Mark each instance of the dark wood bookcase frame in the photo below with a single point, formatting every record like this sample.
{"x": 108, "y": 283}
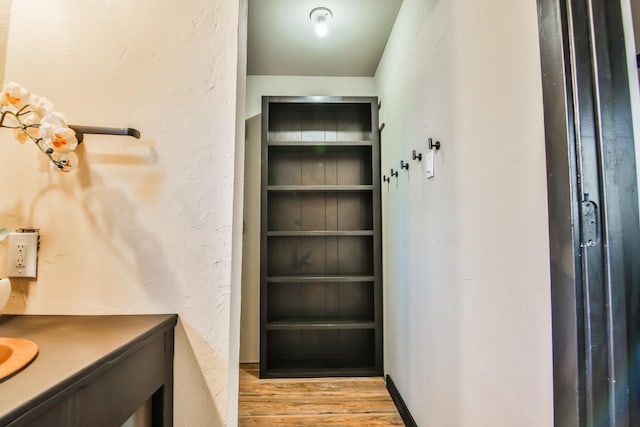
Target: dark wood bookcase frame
{"x": 321, "y": 249}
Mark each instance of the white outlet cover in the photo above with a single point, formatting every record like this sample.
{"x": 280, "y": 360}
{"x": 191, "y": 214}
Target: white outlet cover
{"x": 23, "y": 265}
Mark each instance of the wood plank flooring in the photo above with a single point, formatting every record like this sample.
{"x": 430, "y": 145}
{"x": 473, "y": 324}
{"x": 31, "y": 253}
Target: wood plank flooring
{"x": 314, "y": 401}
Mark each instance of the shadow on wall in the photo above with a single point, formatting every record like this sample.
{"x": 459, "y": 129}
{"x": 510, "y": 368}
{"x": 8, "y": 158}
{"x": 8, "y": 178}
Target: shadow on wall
{"x": 112, "y": 216}
{"x": 190, "y": 378}
{"x": 109, "y": 211}
{"x": 250, "y": 310}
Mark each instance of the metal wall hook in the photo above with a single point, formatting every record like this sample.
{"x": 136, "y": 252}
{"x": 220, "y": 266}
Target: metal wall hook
{"x": 433, "y": 145}
{"x": 417, "y": 156}
{"x": 404, "y": 165}
{"x": 385, "y": 178}
{"x": 394, "y": 173}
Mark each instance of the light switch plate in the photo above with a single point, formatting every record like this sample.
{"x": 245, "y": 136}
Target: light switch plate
{"x": 23, "y": 255}
{"x": 429, "y": 163}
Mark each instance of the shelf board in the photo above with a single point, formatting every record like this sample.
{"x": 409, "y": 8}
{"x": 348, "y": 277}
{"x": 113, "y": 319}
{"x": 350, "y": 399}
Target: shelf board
{"x": 320, "y": 187}
{"x": 333, "y": 324}
{"x": 301, "y": 372}
{"x": 338, "y": 233}
{"x": 298, "y": 143}
{"x": 319, "y": 279}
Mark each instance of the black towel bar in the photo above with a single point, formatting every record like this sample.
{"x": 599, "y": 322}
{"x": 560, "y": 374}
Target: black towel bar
{"x": 99, "y": 130}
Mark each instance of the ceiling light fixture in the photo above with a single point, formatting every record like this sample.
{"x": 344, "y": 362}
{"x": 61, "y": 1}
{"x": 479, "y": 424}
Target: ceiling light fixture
{"x": 321, "y": 16}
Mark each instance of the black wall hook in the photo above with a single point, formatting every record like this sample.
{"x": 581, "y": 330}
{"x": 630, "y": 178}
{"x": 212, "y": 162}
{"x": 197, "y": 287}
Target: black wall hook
{"x": 394, "y": 173}
{"x": 385, "y": 178}
{"x": 433, "y": 145}
{"x": 404, "y": 165}
{"x": 417, "y": 156}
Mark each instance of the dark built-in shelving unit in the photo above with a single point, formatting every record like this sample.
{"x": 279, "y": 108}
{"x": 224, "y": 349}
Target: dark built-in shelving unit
{"x": 321, "y": 289}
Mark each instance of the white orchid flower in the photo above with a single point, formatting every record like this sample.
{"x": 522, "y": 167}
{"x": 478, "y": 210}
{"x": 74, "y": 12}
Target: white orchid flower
{"x": 31, "y": 118}
{"x": 41, "y": 106}
{"x": 56, "y": 134}
{"x": 15, "y": 95}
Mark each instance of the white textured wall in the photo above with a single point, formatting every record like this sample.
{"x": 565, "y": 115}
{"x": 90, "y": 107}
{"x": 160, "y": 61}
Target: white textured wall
{"x": 631, "y": 10}
{"x": 238, "y": 221}
{"x": 258, "y": 86}
{"x": 466, "y": 262}
{"x": 5, "y": 13}
{"x": 144, "y": 226}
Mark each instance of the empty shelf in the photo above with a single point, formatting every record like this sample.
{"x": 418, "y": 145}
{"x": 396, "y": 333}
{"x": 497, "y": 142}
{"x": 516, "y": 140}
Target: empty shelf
{"x": 319, "y": 233}
{"x": 318, "y": 278}
{"x": 320, "y": 187}
{"x": 283, "y": 143}
{"x": 320, "y": 324}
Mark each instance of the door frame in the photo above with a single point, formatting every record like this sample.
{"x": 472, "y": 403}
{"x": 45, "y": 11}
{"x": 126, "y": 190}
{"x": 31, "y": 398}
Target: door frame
{"x": 593, "y": 213}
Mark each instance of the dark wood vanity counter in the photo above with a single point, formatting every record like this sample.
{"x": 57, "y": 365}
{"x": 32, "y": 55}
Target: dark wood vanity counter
{"x": 90, "y": 370}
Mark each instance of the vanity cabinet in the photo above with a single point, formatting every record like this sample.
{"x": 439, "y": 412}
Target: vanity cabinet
{"x": 321, "y": 291}
{"x": 90, "y": 370}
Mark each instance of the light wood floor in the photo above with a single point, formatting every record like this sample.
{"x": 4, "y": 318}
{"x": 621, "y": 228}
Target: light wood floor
{"x": 314, "y": 401}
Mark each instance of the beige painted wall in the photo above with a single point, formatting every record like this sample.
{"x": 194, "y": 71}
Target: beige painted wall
{"x": 258, "y": 86}
{"x": 466, "y": 259}
{"x": 144, "y": 226}
{"x": 5, "y": 13}
{"x": 238, "y": 222}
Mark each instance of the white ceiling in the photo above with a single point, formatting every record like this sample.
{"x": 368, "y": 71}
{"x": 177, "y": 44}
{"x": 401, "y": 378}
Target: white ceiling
{"x": 282, "y": 39}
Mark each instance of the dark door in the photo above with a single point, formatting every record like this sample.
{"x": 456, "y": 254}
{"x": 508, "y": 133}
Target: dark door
{"x": 593, "y": 213}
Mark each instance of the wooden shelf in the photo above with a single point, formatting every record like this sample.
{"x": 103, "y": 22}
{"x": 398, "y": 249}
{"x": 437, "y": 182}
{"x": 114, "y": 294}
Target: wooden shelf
{"x": 277, "y": 143}
{"x": 320, "y": 209}
{"x": 319, "y": 279}
{"x": 320, "y": 187}
{"x": 329, "y": 371}
{"x": 282, "y": 325}
{"x": 338, "y": 233}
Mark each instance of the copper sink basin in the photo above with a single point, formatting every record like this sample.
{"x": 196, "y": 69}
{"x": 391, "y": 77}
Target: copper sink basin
{"x": 15, "y": 355}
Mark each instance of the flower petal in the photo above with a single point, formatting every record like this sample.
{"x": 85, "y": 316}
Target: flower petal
{"x": 41, "y": 106}
{"x": 64, "y": 140}
{"x": 15, "y": 95}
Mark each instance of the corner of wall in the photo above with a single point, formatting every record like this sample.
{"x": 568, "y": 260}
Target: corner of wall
{"x": 238, "y": 217}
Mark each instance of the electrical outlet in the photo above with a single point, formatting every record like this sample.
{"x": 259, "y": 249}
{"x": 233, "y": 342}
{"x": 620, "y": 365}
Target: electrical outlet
{"x": 20, "y": 254}
{"x": 23, "y": 255}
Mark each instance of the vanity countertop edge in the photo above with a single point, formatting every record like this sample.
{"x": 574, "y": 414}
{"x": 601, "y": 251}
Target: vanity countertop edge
{"x": 72, "y": 350}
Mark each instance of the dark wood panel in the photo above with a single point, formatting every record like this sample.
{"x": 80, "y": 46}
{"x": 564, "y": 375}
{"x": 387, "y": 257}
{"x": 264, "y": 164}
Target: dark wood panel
{"x": 319, "y": 255}
{"x": 319, "y": 145}
{"x": 319, "y": 165}
{"x": 290, "y": 211}
{"x": 319, "y": 324}
{"x": 318, "y": 278}
{"x": 327, "y": 188}
{"x": 314, "y": 349}
{"x": 320, "y": 300}
{"x": 312, "y": 233}
{"x": 319, "y": 121}
{"x": 132, "y": 391}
